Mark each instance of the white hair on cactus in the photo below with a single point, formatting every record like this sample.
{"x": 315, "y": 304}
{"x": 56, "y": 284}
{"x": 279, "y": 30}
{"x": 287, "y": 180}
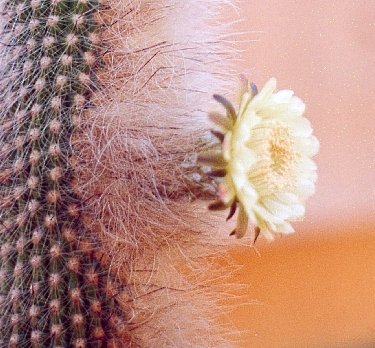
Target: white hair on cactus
{"x": 162, "y": 61}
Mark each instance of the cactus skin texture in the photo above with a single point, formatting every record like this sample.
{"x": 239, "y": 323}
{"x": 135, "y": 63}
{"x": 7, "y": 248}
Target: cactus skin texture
{"x": 53, "y": 290}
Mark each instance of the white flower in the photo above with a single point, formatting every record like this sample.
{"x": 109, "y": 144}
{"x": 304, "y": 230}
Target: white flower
{"x": 265, "y": 159}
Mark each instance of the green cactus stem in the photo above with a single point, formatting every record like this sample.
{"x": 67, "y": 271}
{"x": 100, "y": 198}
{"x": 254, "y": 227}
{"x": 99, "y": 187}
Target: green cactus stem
{"x": 53, "y": 290}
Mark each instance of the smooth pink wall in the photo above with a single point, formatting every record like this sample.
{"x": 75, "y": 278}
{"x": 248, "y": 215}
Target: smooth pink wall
{"x": 325, "y": 52}
{"x": 316, "y": 287}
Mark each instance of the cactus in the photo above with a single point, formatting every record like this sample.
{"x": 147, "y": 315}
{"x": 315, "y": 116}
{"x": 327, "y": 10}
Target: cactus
{"x": 53, "y": 290}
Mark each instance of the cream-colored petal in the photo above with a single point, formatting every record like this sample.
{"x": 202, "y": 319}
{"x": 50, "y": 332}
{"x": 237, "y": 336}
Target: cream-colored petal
{"x": 248, "y": 198}
{"x": 242, "y": 130}
{"x": 242, "y": 222}
{"x": 297, "y": 211}
{"x": 309, "y": 146}
{"x": 226, "y": 191}
{"x": 227, "y": 146}
{"x": 222, "y": 122}
{"x": 306, "y": 165}
{"x": 315, "y": 145}
{"x": 285, "y": 228}
{"x": 266, "y": 215}
{"x": 244, "y": 103}
{"x": 287, "y": 198}
{"x": 264, "y": 94}
{"x": 296, "y": 107}
{"x": 282, "y": 96}
{"x": 273, "y": 111}
{"x": 305, "y": 189}
{"x": 267, "y": 233}
{"x": 301, "y": 127}
{"x": 283, "y": 211}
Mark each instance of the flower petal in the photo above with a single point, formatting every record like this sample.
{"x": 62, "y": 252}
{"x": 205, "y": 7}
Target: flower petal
{"x": 242, "y": 222}
{"x": 226, "y": 191}
{"x": 264, "y": 94}
{"x": 226, "y": 146}
{"x": 266, "y": 215}
{"x": 269, "y": 169}
{"x": 285, "y": 228}
{"x": 309, "y": 146}
{"x": 301, "y": 127}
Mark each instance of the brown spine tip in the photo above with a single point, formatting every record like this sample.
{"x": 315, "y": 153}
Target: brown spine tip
{"x": 21, "y": 219}
{"x": 56, "y": 330}
{"x": 35, "y": 261}
{"x": 78, "y": 320}
{"x": 32, "y": 182}
{"x": 71, "y": 39}
{"x": 55, "y": 126}
{"x": 55, "y": 251}
{"x": 73, "y": 210}
{"x": 69, "y": 234}
{"x": 73, "y": 264}
{"x": 35, "y": 4}
{"x": 30, "y": 44}
{"x": 53, "y": 196}
{"x": 34, "y": 134}
{"x": 61, "y": 81}
{"x": 15, "y": 319}
{"x": 14, "y": 296}
{"x": 19, "y": 141}
{"x": 54, "y": 306}
{"x": 98, "y": 333}
{"x": 20, "y": 244}
{"x": 18, "y": 269}
{"x": 45, "y": 62}
{"x": 48, "y": 41}
{"x": 36, "y": 337}
{"x": 37, "y": 236}
{"x": 50, "y": 221}
{"x": 52, "y": 20}
{"x": 55, "y": 174}
{"x": 78, "y": 20}
{"x": 96, "y": 307}
{"x": 79, "y": 100}
{"x": 92, "y": 277}
{"x": 76, "y": 296}
{"x": 54, "y": 150}
{"x": 80, "y": 343}
{"x": 27, "y": 66}
{"x": 33, "y": 206}
{"x": 34, "y": 24}
{"x": 34, "y": 312}
{"x": 56, "y": 103}
{"x": 5, "y": 250}
{"x": 66, "y": 60}
{"x": 89, "y": 58}
{"x": 18, "y": 165}
{"x": 14, "y": 340}
{"x": 39, "y": 84}
{"x": 35, "y": 110}
{"x": 54, "y": 280}
{"x": 34, "y": 289}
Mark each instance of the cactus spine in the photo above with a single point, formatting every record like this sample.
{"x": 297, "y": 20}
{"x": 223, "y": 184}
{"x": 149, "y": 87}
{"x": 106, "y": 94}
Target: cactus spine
{"x": 53, "y": 291}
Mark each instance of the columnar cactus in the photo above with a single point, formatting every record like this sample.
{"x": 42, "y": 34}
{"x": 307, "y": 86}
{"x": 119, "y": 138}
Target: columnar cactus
{"x": 54, "y": 292}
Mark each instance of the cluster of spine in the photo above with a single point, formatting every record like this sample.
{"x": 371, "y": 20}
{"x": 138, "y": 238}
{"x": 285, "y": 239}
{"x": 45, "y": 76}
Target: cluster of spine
{"x": 53, "y": 290}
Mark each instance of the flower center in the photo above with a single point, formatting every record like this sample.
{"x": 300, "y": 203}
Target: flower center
{"x": 281, "y": 150}
{"x": 275, "y": 147}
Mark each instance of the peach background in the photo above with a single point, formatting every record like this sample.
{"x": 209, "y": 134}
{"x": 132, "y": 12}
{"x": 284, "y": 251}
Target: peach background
{"x": 317, "y": 287}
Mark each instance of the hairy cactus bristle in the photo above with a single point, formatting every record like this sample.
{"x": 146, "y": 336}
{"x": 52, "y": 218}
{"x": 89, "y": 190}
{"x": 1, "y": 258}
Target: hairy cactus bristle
{"x": 52, "y": 287}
